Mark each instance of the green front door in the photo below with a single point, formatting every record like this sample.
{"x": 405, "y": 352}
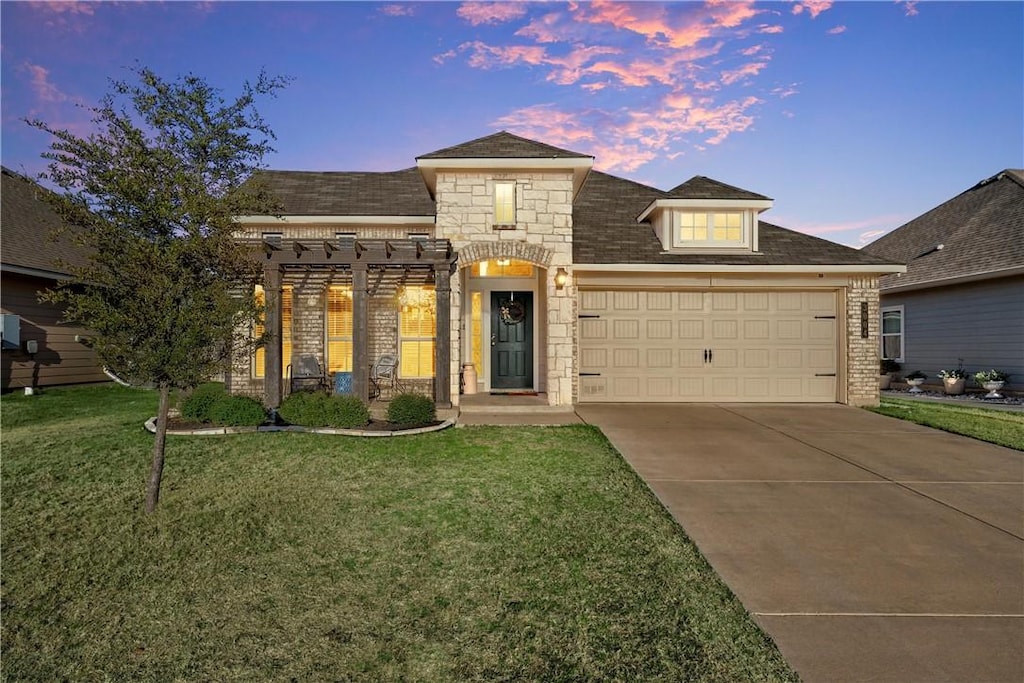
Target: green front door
{"x": 511, "y": 340}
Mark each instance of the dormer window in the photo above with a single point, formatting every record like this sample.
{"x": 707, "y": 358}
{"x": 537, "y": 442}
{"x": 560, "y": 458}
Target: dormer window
{"x": 710, "y": 228}
{"x": 504, "y": 203}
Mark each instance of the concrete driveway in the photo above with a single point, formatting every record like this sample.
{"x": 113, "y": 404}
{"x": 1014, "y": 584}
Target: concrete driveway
{"x": 869, "y": 548}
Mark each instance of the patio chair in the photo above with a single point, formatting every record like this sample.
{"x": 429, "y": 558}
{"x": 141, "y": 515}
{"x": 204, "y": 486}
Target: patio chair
{"x": 384, "y": 373}
{"x": 305, "y": 373}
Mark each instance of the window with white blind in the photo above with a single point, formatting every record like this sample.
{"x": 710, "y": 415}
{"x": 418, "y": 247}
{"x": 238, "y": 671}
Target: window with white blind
{"x": 259, "y": 359}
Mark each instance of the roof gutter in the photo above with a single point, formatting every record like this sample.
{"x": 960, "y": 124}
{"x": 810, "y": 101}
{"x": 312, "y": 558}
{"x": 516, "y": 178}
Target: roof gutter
{"x": 336, "y": 220}
{"x": 35, "y": 272}
{"x": 945, "y": 282}
{"x": 733, "y": 268}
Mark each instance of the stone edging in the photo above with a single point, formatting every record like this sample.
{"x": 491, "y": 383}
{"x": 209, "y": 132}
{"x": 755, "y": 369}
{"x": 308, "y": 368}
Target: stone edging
{"x": 150, "y": 426}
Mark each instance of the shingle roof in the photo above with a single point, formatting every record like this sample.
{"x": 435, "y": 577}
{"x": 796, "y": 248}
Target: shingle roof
{"x": 980, "y": 230}
{"x": 503, "y": 145}
{"x": 27, "y": 222}
{"x": 701, "y": 187}
{"x": 329, "y": 193}
{"x": 605, "y": 231}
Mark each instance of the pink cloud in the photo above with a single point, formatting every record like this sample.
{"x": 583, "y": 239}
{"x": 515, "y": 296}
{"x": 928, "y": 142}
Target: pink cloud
{"x": 836, "y": 30}
{"x": 752, "y": 50}
{"x": 662, "y": 28}
{"x": 39, "y": 81}
{"x": 766, "y": 28}
{"x": 782, "y": 92}
{"x": 477, "y": 13}
{"x": 909, "y": 7}
{"x": 744, "y": 72}
{"x": 61, "y": 7}
{"x": 812, "y": 7}
{"x": 397, "y": 10}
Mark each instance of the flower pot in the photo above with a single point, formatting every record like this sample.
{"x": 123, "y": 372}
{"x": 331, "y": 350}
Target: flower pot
{"x": 993, "y": 389}
{"x": 884, "y": 381}
{"x": 954, "y": 386}
{"x": 915, "y": 385}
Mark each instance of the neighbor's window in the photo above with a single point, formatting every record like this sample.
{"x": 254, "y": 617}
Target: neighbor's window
{"x": 892, "y": 333}
{"x": 259, "y": 360}
{"x": 416, "y": 330}
{"x": 339, "y": 329}
{"x": 710, "y": 227}
{"x": 504, "y": 203}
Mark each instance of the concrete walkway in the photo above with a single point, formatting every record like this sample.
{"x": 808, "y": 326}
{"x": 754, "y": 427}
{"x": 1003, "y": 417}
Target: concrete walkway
{"x": 870, "y": 549}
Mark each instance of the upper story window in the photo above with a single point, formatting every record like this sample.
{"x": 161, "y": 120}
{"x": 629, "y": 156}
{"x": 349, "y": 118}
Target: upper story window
{"x": 711, "y": 228}
{"x": 504, "y": 203}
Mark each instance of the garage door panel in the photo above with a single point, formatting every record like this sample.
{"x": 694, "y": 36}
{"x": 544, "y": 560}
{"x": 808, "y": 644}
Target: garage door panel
{"x": 708, "y": 346}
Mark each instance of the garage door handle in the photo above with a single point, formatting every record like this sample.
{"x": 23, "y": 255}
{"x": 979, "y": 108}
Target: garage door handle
{"x": 705, "y": 355}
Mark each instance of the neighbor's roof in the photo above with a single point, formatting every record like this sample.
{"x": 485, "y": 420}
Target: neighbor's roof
{"x": 503, "y": 145}
{"x": 347, "y": 193}
{"x": 981, "y": 232}
{"x": 27, "y": 223}
{"x": 605, "y": 231}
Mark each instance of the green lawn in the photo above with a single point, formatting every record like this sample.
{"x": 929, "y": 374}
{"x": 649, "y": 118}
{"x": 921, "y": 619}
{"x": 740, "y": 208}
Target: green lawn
{"x": 996, "y": 426}
{"x": 470, "y": 554}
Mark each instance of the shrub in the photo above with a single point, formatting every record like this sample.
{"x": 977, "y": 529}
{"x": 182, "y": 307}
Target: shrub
{"x": 237, "y": 411}
{"x": 411, "y": 409}
{"x": 916, "y": 374}
{"x": 314, "y": 409}
{"x": 990, "y": 376}
{"x": 196, "y": 406}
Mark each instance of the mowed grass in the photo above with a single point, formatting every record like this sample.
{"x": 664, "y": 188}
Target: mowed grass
{"x": 472, "y": 554}
{"x": 995, "y": 426}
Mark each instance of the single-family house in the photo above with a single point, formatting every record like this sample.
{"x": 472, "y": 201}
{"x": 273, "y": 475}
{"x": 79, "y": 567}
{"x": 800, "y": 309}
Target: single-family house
{"x": 962, "y": 296}
{"x": 38, "y": 349}
{"x": 518, "y": 258}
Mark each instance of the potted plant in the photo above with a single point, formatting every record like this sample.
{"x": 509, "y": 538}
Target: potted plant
{"x": 992, "y": 380}
{"x": 888, "y": 368}
{"x": 915, "y": 380}
{"x": 954, "y": 381}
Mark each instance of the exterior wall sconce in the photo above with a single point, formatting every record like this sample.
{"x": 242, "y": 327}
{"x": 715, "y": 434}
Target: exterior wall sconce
{"x": 561, "y": 276}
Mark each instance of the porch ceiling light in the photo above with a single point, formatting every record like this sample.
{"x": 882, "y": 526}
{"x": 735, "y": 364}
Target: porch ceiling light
{"x": 561, "y": 276}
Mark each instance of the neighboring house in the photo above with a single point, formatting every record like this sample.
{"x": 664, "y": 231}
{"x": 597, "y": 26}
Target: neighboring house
{"x": 30, "y": 262}
{"x": 963, "y": 293}
{"x": 551, "y": 277}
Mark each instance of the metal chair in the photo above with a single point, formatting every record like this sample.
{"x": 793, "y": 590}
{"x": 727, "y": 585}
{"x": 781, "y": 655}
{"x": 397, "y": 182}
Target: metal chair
{"x": 305, "y": 373}
{"x": 385, "y": 373}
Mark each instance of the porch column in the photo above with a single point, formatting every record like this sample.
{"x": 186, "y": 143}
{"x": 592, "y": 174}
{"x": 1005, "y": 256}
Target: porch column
{"x": 272, "y": 276}
{"x": 443, "y": 337}
{"x": 360, "y": 333}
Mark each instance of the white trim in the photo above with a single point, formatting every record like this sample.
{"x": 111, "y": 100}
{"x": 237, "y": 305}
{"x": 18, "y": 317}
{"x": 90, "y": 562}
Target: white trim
{"x": 709, "y": 205}
{"x": 960, "y": 279}
{"x": 903, "y": 331}
{"x": 35, "y": 272}
{"x": 731, "y": 268}
{"x": 336, "y": 220}
{"x": 519, "y": 163}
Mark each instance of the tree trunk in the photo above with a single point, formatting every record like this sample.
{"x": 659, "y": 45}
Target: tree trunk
{"x": 156, "y": 470}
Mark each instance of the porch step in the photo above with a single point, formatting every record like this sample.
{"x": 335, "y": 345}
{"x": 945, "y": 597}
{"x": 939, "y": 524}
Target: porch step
{"x": 490, "y": 403}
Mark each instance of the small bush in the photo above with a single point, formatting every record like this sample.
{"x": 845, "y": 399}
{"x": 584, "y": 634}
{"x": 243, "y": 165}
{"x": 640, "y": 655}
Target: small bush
{"x": 322, "y": 410}
{"x": 196, "y": 406}
{"x": 237, "y": 411}
{"x": 411, "y": 409}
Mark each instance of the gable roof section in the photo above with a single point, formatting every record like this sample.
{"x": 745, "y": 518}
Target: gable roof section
{"x": 503, "y": 145}
{"x": 981, "y": 232}
{"x": 701, "y": 187}
{"x": 27, "y": 222}
{"x": 330, "y": 193}
{"x": 605, "y": 231}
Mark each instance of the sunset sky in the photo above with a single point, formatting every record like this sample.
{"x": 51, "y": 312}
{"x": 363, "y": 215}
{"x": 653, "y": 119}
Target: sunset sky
{"x": 854, "y": 117}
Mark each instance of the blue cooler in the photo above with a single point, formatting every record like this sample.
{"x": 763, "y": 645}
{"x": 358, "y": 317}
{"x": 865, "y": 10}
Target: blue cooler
{"x": 343, "y": 383}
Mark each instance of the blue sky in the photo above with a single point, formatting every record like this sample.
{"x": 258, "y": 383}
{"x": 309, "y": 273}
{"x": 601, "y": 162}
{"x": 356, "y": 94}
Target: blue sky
{"x": 854, "y": 117}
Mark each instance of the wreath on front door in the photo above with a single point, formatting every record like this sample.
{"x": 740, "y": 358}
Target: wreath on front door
{"x": 512, "y": 312}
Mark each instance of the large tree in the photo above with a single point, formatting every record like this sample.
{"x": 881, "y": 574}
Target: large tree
{"x": 152, "y": 192}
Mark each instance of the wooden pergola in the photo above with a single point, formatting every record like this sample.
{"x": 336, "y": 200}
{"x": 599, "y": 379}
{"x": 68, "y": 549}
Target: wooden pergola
{"x": 357, "y": 258}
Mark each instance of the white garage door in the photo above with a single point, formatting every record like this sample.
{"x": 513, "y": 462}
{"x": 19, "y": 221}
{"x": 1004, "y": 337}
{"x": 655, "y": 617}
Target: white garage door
{"x": 650, "y": 346}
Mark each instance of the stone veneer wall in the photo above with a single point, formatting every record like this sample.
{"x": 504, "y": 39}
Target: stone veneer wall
{"x": 542, "y": 235}
{"x": 862, "y": 352}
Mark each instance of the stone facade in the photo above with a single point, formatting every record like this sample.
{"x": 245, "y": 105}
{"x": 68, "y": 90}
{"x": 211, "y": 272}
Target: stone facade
{"x": 541, "y": 235}
{"x": 862, "y": 352}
